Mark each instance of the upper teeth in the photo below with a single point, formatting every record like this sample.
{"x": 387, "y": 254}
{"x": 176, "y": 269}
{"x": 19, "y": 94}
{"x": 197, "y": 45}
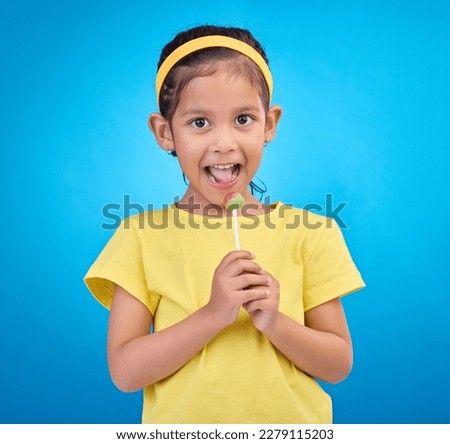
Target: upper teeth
{"x": 224, "y": 167}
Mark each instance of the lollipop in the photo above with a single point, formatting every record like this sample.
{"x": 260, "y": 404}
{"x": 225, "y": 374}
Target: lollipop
{"x": 234, "y": 202}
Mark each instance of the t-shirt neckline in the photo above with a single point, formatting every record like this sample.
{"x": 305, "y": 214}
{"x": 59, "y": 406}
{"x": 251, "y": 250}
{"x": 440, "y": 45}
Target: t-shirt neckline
{"x": 186, "y": 215}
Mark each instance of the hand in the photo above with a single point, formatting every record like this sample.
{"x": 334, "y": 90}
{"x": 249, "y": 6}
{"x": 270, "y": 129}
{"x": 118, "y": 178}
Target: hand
{"x": 237, "y": 280}
{"x": 264, "y": 311}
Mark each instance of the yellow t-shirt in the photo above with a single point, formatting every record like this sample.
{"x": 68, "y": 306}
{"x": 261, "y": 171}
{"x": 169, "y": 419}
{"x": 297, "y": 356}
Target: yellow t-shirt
{"x": 167, "y": 259}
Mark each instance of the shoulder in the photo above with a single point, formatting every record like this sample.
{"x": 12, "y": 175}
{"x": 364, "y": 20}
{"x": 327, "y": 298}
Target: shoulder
{"x": 144, "y": 224}
{"x": 147, "y": 219}
{"x": 305, "y": 220}
{"x": 309, "y": 230}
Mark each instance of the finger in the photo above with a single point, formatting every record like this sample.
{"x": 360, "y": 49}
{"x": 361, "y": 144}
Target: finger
{"x": 272, "y": 280}
{"x": 253, "y": 294}
{"x": 249, "y": 280}
{"x": 256, "y": 304}
{"x": 241, "y": 266}
{"x": 265, "y": 272}
{"x": 235, "y": 255}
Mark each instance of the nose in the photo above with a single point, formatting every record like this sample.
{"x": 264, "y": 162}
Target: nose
{"x": 224, "y": 142}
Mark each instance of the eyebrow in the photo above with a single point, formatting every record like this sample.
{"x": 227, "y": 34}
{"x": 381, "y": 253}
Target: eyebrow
{"x": 201, "y": 112}
{"x": 194, "y": 111}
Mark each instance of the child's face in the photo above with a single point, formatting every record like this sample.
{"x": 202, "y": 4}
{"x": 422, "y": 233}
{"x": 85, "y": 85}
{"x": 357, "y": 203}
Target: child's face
{"x": 218, "y": 130}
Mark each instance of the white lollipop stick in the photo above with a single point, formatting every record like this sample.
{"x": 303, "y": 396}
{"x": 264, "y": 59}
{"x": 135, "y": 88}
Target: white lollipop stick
{"x": 236, "y": 229}
{"x": 234, "y": 202}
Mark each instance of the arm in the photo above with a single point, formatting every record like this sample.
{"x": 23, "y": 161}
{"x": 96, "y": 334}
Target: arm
{"x": 137, "y": 359}
{"x": 322, "y": 348}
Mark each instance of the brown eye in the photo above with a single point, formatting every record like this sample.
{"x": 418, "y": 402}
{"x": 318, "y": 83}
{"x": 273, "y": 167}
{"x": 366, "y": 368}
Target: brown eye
{"x": 199, "y": 123}
{"x": 243, "y": 119}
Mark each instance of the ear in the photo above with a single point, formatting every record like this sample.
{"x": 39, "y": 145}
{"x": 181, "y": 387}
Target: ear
{"x": 272, "y": 119}
{"x": 160, "y": 128}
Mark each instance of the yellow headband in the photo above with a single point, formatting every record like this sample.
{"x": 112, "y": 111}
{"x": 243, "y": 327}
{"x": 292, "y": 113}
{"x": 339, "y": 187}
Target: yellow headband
{"x": 208, "y": 42}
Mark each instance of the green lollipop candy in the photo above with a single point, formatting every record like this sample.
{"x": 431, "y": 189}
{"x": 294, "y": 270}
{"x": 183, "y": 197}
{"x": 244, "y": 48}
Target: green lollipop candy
{"x": 234, "y": 201}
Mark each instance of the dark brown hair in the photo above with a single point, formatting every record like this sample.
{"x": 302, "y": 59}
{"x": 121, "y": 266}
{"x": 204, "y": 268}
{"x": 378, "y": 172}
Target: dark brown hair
{"x": 204, "y": 62}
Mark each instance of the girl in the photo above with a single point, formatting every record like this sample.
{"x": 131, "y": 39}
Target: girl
{"x": 237, "y": 336}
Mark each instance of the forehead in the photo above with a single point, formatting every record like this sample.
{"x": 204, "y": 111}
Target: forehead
{"x": 222, "y": 88}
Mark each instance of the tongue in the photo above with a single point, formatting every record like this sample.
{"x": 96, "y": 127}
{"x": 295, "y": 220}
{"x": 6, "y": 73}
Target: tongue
{"x": 222, "y": 176}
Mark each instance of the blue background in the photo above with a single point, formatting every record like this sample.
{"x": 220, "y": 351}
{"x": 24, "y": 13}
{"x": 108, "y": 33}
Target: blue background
{"x": 365, "y": 89}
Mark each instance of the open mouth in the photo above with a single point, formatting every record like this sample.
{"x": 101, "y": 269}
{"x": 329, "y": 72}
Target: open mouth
{"x": 223, "y": 174}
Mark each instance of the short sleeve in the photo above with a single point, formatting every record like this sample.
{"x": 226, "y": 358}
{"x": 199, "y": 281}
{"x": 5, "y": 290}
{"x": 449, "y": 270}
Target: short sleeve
{"x": 121, "y": 263}
{"x": 329, "y": 272}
